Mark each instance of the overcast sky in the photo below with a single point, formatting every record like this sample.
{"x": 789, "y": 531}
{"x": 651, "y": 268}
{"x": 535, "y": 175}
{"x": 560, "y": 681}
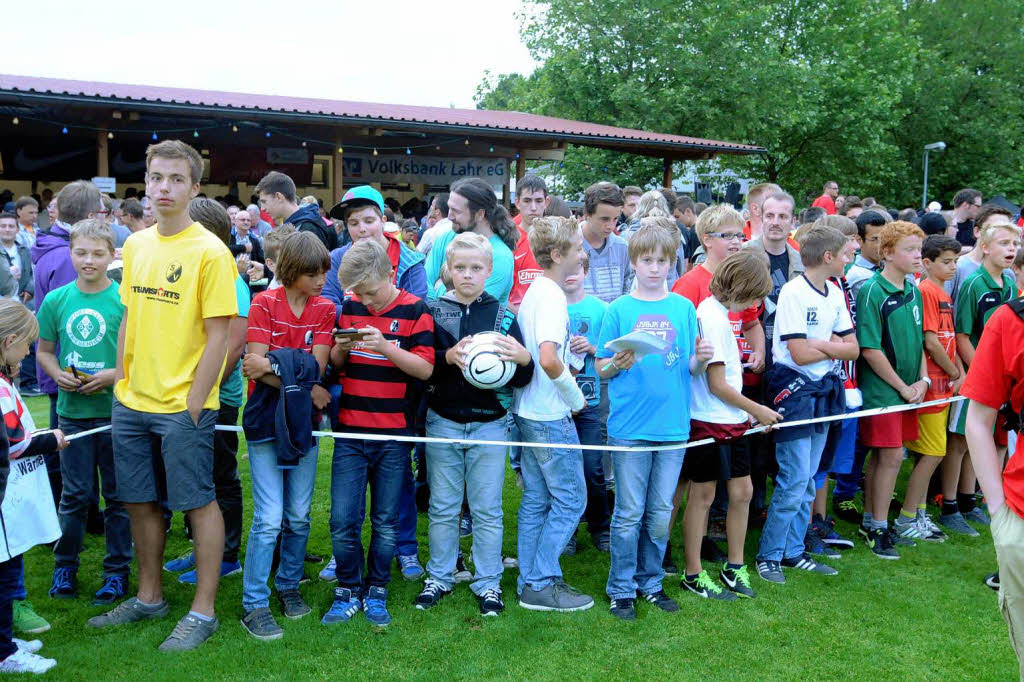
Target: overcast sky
{"x": 397, "y": 51}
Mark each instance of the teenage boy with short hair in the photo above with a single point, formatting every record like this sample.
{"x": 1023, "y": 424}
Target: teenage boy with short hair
{"x": 586, "y": 315}
{"x": 277, "y": 197}
{"x": 939, "y": 254}
{"x": 177, "y": 283}
{"x": 892, "y": 372}
{"x": 293, "y": 316}
{"x": 458, "y": 409}
{"x": 804, "y": 384}
{"x": 650, "y": 408}
{"x": 720, "y": 411}
{"x": 80, "y": 318}
{"x": 869, "y": 260}
{"x": 532, "y": 200}
{"x": 553, "y": 482}
{"x": 383, "y": 363}
{"x": 609, "y": 273}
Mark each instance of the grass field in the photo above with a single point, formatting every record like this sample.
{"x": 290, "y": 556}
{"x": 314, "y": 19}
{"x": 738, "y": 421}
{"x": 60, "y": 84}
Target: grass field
{"x": 925, "y": 617}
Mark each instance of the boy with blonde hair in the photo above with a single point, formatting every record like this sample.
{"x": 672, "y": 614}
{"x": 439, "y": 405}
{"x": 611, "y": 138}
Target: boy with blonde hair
{"x": 650, "y": 409}
{"x": 553, "y": 482}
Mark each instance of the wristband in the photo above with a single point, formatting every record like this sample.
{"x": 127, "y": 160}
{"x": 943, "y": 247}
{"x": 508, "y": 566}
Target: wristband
{"x": 569, "y": 391}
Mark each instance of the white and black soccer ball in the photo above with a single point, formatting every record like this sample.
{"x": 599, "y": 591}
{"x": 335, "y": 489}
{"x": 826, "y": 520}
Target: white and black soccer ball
{"x": 484, "y": 366}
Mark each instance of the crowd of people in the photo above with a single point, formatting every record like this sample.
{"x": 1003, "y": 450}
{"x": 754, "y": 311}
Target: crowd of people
{"x": 637, "y": 347}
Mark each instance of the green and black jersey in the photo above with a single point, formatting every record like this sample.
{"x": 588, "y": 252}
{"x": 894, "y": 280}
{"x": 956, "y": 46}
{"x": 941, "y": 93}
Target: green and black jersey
{"x": 889, "y": 319}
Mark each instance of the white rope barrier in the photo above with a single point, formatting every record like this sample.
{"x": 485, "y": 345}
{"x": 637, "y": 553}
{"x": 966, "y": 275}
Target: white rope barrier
{"x": 602, "y": 448}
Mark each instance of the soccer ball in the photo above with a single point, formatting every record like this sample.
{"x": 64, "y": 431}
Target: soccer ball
{"x": 484, "y": 366}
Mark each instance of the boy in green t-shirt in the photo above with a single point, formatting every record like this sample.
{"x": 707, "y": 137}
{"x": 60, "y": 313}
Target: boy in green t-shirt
{"x": 892, "y": 371}
{"x": 78, "y": 326}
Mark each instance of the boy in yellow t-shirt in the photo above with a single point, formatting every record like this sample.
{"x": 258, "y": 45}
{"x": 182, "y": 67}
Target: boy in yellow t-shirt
{"x": 179, "y": 296}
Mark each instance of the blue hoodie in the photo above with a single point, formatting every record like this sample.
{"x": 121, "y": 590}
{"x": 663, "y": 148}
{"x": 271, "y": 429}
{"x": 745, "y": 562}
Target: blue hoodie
{"x": 51, "y": 258}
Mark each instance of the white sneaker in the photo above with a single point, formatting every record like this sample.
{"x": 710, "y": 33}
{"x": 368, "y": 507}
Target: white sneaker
{"x": 32, "y": 646}
{"x": 328, "y": 573}
{"x": 22, "y": 661}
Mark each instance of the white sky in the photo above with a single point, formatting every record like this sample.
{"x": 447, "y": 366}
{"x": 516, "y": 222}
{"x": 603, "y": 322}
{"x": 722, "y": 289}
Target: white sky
{"x": 425, "y": 52}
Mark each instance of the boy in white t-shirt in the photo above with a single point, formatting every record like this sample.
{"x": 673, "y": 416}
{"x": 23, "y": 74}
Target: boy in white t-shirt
{"x": 554, "y": 488}
{"x": 812, "y": 330}
{"x": 719, "y": 410}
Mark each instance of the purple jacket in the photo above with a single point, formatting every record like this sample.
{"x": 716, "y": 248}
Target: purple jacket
{"x": 51, "y": 257}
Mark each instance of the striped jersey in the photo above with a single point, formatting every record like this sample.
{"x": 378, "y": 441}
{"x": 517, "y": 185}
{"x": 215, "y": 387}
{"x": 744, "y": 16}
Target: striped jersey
{"x": 272, "y": 322}
{"x": 377, "y": 395}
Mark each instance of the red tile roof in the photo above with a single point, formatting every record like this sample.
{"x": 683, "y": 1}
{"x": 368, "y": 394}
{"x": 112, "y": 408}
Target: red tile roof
{"x": 366, "y": 113}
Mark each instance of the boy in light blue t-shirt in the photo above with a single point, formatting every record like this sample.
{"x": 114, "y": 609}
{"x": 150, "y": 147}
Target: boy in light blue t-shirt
{"x": 650, "y": 406}
{"x": 586, "y": 314}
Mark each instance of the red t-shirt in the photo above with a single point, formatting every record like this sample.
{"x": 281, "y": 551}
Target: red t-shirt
{"x": 997, "y": 376}
{"x": 826, "y": 202}
{"x": 938, "y": 319}
{"x": 696, "y": 286}
{"x": 525, "y": 269}
{"x": 272, "y": 322}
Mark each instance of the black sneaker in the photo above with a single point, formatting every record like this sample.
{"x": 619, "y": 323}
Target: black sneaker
{"x": 491, "y": 604}
{"x": 661, "y": 600}
{"x": 738, "y": 581}
{"x": 710, "y": 551}
{"x": 313, "y": 559}
{"x": 804, "y": 562}
{"x": 770, "y": 571}
{"x": 667, "y": 564}
{"x": 703, "y": 586}
{"x": 879, "y": 541}
{"x": 624, "y": 609}
{"x": 992, "y": 580}
{"x": 898, "y": 540}
{"x": 432, "y": 593}
{"x": 846, "y": 510}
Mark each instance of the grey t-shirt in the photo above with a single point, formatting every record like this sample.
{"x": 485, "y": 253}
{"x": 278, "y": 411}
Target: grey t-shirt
{"x": 609, "y": 275}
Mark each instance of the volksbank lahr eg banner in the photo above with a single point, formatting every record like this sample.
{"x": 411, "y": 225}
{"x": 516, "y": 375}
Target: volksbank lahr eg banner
{"x": 430, "y": 170}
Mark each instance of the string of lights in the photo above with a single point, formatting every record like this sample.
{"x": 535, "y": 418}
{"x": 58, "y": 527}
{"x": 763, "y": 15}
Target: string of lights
{"x": 268, "y": 131}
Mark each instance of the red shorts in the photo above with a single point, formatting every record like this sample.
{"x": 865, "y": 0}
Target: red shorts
{"x": 888, "y": 430}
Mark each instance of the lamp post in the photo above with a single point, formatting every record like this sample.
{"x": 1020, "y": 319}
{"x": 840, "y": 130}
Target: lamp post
{"x": 934, "y": 146}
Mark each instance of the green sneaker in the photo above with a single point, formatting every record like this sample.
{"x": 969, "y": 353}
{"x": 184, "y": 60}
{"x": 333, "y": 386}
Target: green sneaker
{"x": 704, "y": 586}
{"x": 26, "y": 619}
{"x": 738, "y": 580}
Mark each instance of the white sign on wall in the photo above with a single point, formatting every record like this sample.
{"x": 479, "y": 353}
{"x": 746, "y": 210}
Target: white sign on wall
{"x": 430, "y": 170}
{"x": 103, "y": 184}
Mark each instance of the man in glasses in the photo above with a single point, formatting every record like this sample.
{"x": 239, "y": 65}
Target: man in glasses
{"x": 966, "y": 203}
{"x": 827, "y": 200}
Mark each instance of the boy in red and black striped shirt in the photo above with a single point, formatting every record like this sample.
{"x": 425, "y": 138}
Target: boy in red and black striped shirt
{"x": 384, "y": 365}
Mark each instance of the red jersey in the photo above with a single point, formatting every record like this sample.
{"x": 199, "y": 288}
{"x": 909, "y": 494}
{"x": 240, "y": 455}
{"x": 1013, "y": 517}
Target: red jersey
{"x": 938, "y": 319}
{"x": 525, "y": 269}
{"x": 696, "y": 286}
{"x": 376, "y": 395}
{"x": 826, "y": 202}
{"x": 995, "y": 378}
{"x": 272, "y": 322}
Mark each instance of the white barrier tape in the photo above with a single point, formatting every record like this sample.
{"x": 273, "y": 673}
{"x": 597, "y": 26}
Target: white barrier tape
{"x": 602, "y": 448}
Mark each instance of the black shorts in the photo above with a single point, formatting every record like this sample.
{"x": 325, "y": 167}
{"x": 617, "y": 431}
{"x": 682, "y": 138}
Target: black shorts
{"x": 717, "y": 461}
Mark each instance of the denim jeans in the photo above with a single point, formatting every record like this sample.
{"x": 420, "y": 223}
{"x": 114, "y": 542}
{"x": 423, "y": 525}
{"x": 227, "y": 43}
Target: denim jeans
{"x": 226, "y": 483}
{"x": 78, "y": 463}
{"x": 644, "y": 485}
{"x": 515, "y": 453}
{"x": 554, "y": 498}
{"x": 357, "y": 463}
{"x": 790, "y": 507}
{"x": 277, "y": 495}
{"x": 479, "y": 471}
{"x": 405, "y": 544}
{"x": 10, "y": 575}
{"x": 848, "y": 484}
{"x": 588, "y": 428}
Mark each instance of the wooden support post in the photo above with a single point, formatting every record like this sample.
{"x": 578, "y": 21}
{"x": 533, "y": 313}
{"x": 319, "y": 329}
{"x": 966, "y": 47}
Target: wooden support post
{"x": 666, "y": 180}
{"x": 102, "y": 155}
{"x": 506, "y": 187}
{"x": 337, "y": 174}
{"x": 520, "y": 166}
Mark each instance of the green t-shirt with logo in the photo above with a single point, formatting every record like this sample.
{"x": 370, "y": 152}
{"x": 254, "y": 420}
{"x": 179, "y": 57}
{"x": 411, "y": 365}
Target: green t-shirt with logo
{"x": 889, "y": 319}
{"x": 976, "y": 300}
{"x": 84, "y": 327}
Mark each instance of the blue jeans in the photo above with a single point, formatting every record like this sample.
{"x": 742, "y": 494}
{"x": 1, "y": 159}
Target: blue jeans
{"x": 277, "y": 494}
{"x": 588, "y": 428}
{"x": 356, "y": 464}
{"x": 479, "y": 471}
{"x": 847, "y": 484}
{"x": 515, "y": 453}
{"x": 790, "y": 507}
{"x": 78, "y": 465}
{"x": 554, "y": 498}
{"x": 405, "y": 544}
{"x": 644, "y": 485}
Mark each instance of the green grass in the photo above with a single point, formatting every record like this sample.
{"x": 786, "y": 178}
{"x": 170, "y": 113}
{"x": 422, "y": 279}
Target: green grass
{"x": 926, "y": 617}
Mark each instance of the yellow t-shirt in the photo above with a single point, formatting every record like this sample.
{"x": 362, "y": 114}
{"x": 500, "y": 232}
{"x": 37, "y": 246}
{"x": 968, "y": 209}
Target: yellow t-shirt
{"x": 169, "y": 285}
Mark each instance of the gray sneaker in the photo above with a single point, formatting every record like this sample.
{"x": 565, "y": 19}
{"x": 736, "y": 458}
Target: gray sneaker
{"x": 292, "y": 604}
{"x": 189, "y": 633}
{"x": 955, "y": 523}
{"x": 260, "y": 624}
{"x": 129, "y": 611}
{"x": 978, "y": 515}
{"x": 556, "y": 597}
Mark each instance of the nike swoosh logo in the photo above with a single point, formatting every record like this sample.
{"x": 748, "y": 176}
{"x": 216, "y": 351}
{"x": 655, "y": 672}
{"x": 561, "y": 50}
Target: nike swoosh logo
{"x": 479, "y": 371}
{"x": 276, "y": 333}
{"x": 520, "y": 256}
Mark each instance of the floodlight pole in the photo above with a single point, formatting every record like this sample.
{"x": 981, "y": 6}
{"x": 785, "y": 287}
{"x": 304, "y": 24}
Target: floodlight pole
{"x": 937, "y": 146}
